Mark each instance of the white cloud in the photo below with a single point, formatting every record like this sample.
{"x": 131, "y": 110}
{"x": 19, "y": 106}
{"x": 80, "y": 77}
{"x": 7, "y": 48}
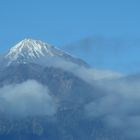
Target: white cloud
{"x": 87, "y": 74}
{"x": 119, "y": 107}
{"x": 28, "y": 98}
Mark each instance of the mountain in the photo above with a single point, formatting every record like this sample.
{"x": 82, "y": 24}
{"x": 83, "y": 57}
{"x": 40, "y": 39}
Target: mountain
{"x": 41, "y": 97}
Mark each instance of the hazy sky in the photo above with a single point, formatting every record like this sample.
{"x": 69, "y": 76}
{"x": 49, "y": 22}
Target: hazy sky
{"x": 61, "y": 22}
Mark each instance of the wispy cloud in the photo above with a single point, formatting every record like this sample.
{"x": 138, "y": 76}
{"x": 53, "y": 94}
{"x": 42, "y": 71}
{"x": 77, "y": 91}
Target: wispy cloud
{"x": 108, "y": 53}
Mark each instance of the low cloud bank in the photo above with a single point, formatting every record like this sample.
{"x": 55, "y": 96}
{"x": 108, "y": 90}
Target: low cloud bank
{"x": 119, "y": 107}
{"x": 28, "y": 98}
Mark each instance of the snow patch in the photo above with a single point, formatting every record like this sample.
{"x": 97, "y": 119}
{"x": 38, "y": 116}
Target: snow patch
{"x": 31, "y": 49}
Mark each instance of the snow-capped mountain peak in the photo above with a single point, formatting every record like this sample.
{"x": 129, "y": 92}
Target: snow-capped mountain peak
{"x": 30, "y": 50}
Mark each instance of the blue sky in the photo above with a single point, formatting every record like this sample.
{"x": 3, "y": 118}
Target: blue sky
{"x": 61, "y": 22}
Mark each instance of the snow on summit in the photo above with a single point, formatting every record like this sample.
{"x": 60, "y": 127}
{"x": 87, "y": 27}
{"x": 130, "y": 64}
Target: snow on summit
{"x": 30, "y": 50}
